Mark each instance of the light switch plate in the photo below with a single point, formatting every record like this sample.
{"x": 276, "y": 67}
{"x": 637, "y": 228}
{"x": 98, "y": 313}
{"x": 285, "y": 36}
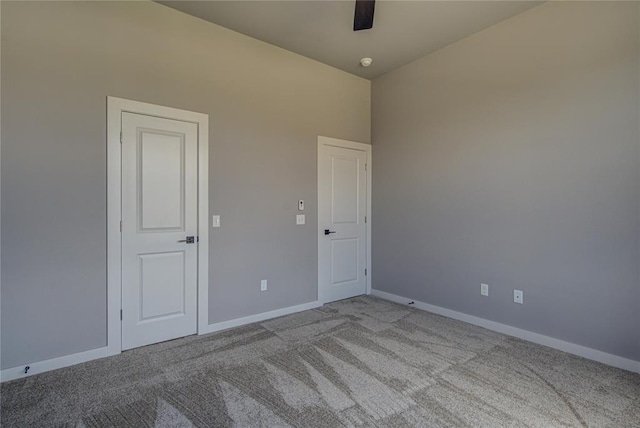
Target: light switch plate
{"x": 215, "y": 221}
{"x": 300, "y": 219}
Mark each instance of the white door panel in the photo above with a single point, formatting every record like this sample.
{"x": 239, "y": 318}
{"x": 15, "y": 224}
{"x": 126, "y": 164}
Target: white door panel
{"x": 344, "y": 260}
{"x": 342, "y": 202}
{"x": 344, "y": 189}
{"x": 162, "y": 285}
{"x": 159, "y": 210}
{"x": 161, "y": 181}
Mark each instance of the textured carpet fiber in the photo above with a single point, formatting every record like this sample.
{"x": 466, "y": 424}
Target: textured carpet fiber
{"x": 358, "y": 362}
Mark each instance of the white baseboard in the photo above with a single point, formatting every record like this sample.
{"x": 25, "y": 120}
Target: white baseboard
{"x": 571, "y": 348}
{"x": 94, "y": 354}
{"x": 56, "y": 363}
{"x": 224, "y": 325}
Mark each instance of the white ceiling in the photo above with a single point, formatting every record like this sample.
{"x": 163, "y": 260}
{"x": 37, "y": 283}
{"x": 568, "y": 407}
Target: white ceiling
{"x": 323, "y": 30}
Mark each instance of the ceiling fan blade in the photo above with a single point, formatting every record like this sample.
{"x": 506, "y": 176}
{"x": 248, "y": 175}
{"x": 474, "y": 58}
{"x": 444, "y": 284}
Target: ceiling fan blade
{"x": 363, "y": 17}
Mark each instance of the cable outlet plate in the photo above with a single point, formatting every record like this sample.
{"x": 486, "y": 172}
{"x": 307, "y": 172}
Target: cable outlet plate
{"x": 518, "y": 296}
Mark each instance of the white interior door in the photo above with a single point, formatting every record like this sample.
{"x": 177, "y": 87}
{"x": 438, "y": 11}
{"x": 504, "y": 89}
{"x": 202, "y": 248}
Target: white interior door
{"x": 342, "y": 210}
{"x": 159, "y": 213}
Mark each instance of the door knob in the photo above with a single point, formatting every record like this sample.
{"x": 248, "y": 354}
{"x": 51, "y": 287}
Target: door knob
{"x": 189, "y": 240}
{"x": 327, "y": 231}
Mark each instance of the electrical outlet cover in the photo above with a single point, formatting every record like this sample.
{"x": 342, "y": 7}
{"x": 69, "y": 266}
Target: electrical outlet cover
{"x": 484, "y": 289}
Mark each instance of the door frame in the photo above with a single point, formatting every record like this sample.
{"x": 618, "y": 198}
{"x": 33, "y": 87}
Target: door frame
{"x": 324, "y": 142}
{"x": 115, "y": 108}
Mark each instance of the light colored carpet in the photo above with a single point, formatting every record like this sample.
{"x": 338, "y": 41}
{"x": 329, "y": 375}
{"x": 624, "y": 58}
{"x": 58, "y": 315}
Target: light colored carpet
{"x": 358, "y": 362}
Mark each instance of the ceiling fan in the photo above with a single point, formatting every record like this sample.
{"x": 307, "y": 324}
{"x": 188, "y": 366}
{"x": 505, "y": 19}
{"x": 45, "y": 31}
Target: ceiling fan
{"x": 363, "y": 17}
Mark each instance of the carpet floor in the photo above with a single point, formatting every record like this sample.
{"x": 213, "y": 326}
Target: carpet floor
{"x": 358, "y": 362}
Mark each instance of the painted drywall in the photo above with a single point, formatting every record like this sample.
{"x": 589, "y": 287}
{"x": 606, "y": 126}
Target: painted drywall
{"x": 266, "y": 106}
{"x": 512, "y": 158}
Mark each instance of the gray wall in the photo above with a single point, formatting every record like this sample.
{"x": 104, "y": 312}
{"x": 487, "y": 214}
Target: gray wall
{"x": 512, "y": 157}
{"x": 266, "y": 108}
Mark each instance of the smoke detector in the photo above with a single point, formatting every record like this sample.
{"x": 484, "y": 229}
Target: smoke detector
{"x": 366, "y": 62}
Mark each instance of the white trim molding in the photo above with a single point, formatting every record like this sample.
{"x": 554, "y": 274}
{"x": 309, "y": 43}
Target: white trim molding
{"x": 56, "y": 363}
{"x": 224, "y": 325}
{"x": 115, "y": 108}
{"x": 571, "y": 348}
{"x": 82, "y": 357}
{"x": 368, "y": 149}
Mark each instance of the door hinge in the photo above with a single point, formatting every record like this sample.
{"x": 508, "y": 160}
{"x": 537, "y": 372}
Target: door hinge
{"x": 365, "y": 166}
{"x": 120, "y": 137}
{"x": 365, "y": 271}
{"x": 365, "y": 219}
{"x": 120, "y": 226}
{"x": 120, "y": 314}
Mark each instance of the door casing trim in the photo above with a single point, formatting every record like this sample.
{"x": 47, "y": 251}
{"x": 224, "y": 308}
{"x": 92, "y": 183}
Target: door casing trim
{"x": 367, "y": 148}
{"x": 115, "y": 108}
